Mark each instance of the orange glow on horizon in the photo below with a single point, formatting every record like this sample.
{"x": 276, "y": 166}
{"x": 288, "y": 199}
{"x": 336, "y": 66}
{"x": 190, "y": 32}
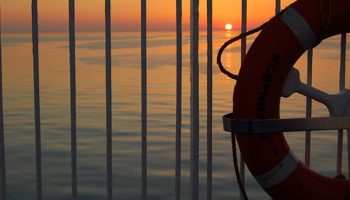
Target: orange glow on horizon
{"x": 53, "y": 15}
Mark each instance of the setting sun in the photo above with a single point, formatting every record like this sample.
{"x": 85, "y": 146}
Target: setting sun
{"x": 228, "y": 27}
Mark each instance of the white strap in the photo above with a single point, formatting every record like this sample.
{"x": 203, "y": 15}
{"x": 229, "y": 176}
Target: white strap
{"x": 299, "y": 27}
{"x": 280, "y": 172}
{"x": 240, "y": 126}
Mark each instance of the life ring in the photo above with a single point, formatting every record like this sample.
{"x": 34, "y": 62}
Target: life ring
{"x": 257, "y": 94}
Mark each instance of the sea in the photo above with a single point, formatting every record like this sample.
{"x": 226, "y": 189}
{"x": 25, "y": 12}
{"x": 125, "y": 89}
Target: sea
{"x": 126, "y": 104}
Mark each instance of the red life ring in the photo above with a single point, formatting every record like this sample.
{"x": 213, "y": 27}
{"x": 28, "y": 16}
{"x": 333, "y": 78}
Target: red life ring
{"x": 258, "y": 90}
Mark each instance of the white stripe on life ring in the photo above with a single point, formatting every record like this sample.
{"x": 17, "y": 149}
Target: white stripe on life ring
{"x": 280, "y": 172}
{"x": 299, "y": 27}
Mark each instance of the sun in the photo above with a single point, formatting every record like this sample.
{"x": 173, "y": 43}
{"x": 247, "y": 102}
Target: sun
{"x": 228, "y": 27}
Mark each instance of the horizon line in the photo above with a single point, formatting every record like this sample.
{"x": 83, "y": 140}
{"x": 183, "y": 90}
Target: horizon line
{"x": 98, "y": 31}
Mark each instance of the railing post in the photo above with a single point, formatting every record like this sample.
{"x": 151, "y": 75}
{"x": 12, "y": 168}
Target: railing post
{"x": 194, "y": 105}
{"x": 278, "y": 6}
{"x": 144, "y": 97}
{"x": 341, "y": 87}
{"x": 2, "y": 136}
{"x": 73, "y": 98}
{"x": 178, "y": 98}
{"x": 243, "y": 54}
{"x": 308, "y": 108}
{"x": 209, "y": 98}
{"x": 108, "y": 52}
{"x": 35, "y": 41}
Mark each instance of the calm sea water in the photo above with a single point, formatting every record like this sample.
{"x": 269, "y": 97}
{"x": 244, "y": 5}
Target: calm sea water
{"x": 54, "y": 79}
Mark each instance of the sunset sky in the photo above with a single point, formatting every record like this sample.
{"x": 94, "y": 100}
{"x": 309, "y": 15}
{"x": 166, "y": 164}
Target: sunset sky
{"x": 53, "y": 14}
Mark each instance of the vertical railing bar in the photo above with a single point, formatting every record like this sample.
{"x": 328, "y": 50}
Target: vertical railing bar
{"x": 209, "y": 97}
{"x": 2, "y": 136}
{"x": 35, "y": 41}
{"x": 278, "y": 6}
{"x": 339, "y": 152}
{"x": 308, "y": 107}
{"x": 194, "y": 110}
{"x": 348, "y": 150}
{"x": 108, "y": 52}
{"x": 243, "y": 54}
{"x": 144, "y": 96}
{"x": 341, "y": 87}
{"x": 73, "y": 98}
{"x": 342, "y": 62}
{"x": 342, "y": 84}
{"x": 178, "y": 98}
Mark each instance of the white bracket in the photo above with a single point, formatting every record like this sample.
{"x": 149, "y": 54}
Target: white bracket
{"x": 337, "y": 104}
{"x": 284, "y": 125}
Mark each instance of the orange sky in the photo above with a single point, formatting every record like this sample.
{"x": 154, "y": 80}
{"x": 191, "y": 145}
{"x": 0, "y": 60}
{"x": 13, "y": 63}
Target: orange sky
{"x": 53, "y": 14}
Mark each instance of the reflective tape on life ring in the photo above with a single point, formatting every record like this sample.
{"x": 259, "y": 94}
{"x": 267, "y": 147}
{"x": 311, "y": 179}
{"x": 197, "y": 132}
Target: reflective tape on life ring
{"x": 299, "y": 27}
{"x": 280, "y": 172}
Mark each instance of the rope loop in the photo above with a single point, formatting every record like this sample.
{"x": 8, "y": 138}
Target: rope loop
{"x": 232, "y": 40}
{"x": 227, "y": 43}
